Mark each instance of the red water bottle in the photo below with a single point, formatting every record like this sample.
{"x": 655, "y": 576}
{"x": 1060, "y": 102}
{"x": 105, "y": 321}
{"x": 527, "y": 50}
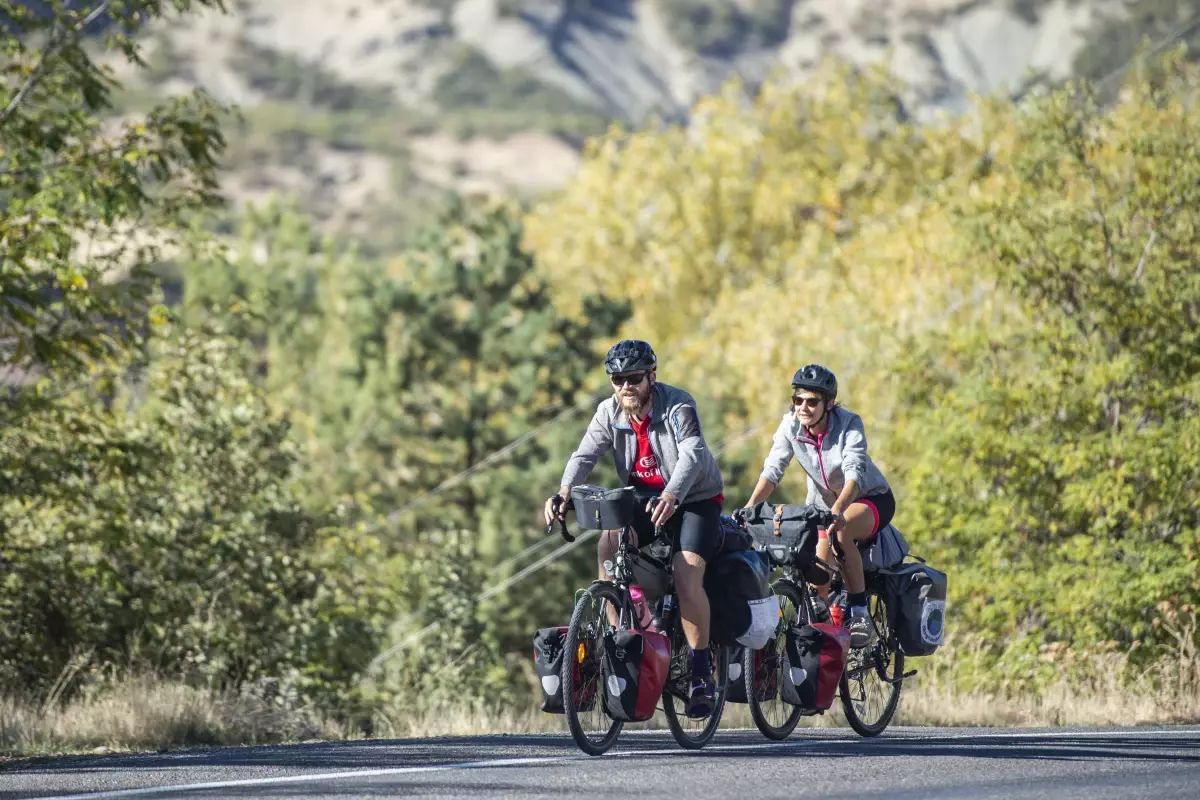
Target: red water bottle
{"x": 835, "y": 613}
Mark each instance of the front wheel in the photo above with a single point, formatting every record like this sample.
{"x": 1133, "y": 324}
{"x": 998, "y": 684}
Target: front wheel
{"x": 763, "y": 670}
{"x": 693, "y": 734}
{"x": 582, "y": 679}
{"x": 869, "y": 693}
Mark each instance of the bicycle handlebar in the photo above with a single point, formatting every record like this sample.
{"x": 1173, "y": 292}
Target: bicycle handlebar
{"x": 824, "y": 516}
{"x": 559, "y": 506}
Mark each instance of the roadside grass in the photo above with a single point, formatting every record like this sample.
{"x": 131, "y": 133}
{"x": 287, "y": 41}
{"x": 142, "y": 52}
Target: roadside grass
{"x": 154, "y": 714}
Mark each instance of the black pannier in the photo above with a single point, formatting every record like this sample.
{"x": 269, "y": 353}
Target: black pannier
{"x": 744, "y": 610}
{"x": 765, "y": 675}
{"x": 548, "y": 663}
{"x": 917, "y": 605}
{"x": 601, "y": 509}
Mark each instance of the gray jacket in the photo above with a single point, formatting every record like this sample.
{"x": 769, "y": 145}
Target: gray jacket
{"x": 838, "y": 455}
{"x": 687, "y": 465}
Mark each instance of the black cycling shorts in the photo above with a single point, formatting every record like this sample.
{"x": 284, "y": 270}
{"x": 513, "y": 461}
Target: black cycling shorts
{"x": 694, "y": 527}
{"x": 883, "y": 506}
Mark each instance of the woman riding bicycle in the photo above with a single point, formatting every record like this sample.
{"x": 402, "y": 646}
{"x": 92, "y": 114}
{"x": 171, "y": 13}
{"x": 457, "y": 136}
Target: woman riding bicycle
{"x": 829, "y": 442}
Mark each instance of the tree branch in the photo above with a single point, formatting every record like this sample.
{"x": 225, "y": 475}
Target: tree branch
{"x": 1141, "y": 265}
{"x": 58, "y": 38}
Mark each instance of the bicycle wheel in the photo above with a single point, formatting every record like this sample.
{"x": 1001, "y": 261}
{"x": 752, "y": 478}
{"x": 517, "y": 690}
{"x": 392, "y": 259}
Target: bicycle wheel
{"x": 869, "y": 695}
{"x": 692, "y": 734}
{"x": 582, "y": 682}
{"x": 763, "y": 669}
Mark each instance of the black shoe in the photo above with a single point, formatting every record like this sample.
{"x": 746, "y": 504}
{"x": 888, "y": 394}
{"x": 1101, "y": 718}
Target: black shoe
{"x": 700, "y": 704}
{"x": 862, "y": 631}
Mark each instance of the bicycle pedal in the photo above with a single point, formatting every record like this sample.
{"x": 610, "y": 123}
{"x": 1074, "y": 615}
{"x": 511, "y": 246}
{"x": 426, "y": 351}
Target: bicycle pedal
{"x": 903, "y": 677}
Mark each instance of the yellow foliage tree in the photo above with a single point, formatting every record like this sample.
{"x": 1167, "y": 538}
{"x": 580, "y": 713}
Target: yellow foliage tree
{"x": 810, "y": 224}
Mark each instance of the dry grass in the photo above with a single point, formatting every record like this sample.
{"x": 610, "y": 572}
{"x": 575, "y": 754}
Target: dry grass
{"x": 148, "y": 714}
{"x": 1112, "y": 692}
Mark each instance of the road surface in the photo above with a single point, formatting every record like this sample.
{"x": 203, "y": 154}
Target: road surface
{"x": 902, "y": 764}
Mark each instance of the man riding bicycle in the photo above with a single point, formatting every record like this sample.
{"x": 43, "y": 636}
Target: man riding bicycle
{"x": 654, "y": 432}
{"x": 830, "y": 444}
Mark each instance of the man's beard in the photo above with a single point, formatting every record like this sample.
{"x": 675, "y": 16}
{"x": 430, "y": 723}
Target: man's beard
{"x": 635, "y": 403}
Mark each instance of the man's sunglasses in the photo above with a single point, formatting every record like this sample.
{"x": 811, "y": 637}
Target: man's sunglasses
{"x": 633, "y": 379}
{"x": 807, "y": 402}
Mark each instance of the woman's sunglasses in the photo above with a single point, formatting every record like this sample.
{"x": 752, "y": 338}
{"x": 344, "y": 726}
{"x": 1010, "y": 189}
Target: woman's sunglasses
{"x": 807, "y": 402}
{"x": 634, "y": 379}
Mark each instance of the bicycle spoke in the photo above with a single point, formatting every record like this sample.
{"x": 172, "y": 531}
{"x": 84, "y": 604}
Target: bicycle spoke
{"x": 868, "y": 695}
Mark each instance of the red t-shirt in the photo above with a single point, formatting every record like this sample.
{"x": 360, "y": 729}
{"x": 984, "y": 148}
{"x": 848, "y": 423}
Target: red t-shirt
{"x": 646, "y": 473}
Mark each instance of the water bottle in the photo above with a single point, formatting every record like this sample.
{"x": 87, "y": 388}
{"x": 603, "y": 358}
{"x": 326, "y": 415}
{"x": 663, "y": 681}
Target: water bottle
{"x": 641, "y": 609}
{"x": 820, "y": 609}
{"x": 837, "y": 610}
{"x": 666, "y": 615}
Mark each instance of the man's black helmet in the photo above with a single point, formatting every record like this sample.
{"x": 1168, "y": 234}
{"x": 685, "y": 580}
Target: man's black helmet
{"x": 630, "y": 355}
{"x": 816, "y": 378}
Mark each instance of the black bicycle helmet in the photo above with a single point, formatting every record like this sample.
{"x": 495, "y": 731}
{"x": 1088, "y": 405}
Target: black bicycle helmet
{"x": 629, "y": 356}
{"x": 816, "y": 378}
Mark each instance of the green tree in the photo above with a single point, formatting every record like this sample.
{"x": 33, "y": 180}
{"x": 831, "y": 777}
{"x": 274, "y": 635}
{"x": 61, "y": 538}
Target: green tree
{"x": 1055, "y": 466}
{"x": 402, "y": 376}
{"x": 161, "y": 530}
{"x": 88, "y": 206}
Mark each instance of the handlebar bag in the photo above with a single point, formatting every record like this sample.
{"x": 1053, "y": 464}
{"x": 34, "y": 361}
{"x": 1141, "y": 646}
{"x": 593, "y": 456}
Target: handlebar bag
{"x": 601, "y": 509}
{"x": 789, "y": 532}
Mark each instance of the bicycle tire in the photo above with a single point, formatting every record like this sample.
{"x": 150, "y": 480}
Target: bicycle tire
{"x": 720, "y": 675}
{"x": 601, "y": 591}
{"x": 777, "y": 733}
{"x": 897, "y": 661}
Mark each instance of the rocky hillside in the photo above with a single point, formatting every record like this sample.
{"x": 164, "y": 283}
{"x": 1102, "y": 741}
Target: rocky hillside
{"x": 369, "y": 109}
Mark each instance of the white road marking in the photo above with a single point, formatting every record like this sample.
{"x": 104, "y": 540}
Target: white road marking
{"x": 960, "y": 733}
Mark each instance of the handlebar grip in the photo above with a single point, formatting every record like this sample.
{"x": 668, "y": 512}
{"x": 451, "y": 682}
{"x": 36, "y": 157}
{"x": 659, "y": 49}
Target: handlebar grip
{"x": 563, "y": 531}
{"x": 651, "y": 505}
{"x": 559, "y": 504}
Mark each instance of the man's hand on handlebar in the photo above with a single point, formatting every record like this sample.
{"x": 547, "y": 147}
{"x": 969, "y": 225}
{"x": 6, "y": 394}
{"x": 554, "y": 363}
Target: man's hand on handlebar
{"x": 556, "y": 507}
{"x": 663, "y": 510}
{"x": 556, "y": 511}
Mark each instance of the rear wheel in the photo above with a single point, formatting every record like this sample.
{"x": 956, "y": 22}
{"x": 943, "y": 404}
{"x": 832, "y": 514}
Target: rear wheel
{"x": 763, "y": 670}
{"x": 869, "y": 696}
{"x": 693, "y": 734}
{"x": 582, "y": 679}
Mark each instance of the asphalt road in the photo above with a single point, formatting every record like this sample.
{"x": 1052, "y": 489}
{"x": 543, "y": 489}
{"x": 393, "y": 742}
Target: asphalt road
{"x": 902, "y": 764}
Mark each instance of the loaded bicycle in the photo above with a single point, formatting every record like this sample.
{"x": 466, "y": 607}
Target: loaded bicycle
{"x": 870, "y": 682}
{"x": 605, "y": 614}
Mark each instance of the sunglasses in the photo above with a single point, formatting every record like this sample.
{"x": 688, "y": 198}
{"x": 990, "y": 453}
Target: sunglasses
{"x": 807, "y": 402}
{"x": 633, "y": 379}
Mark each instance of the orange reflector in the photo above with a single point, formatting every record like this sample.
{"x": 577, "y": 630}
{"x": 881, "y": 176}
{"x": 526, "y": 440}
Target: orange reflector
{"x": 579, "y": 656}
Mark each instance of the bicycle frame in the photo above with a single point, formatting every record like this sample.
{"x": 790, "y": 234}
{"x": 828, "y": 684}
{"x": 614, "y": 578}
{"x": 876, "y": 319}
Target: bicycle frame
{"x": 622, "y": 571}
{"x": 791, "y": 576}
{"x": 622, "y": 577}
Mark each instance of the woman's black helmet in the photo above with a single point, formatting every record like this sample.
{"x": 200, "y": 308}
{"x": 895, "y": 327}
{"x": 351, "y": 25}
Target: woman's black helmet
{"x": 816, "y": 378}
{"x": 630, "y": 355}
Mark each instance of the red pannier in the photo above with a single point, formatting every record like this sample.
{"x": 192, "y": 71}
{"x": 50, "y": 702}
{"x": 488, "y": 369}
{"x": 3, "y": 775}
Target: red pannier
{"x": 635, "y": 671}
{"x": 816, "y": 657}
